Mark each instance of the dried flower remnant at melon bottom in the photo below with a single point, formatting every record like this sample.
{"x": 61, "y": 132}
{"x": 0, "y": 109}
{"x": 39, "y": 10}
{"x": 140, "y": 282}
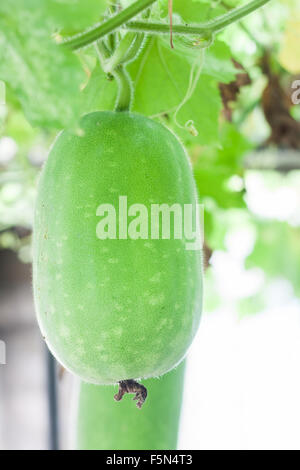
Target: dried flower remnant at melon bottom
{"x": 131, "y": 386}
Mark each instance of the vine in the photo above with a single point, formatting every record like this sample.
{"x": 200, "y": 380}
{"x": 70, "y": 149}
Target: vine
{"x": 115, "y": 65}
{"x": 123, "y": 18}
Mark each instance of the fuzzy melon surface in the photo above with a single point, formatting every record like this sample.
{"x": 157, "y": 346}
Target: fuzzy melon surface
{"x": 102, "y": 424}
{"x": 116, "y": 309}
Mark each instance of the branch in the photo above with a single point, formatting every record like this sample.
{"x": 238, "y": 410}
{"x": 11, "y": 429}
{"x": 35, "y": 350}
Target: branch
{"x": 209, "y": 27}
{"x": 122, "y": 19}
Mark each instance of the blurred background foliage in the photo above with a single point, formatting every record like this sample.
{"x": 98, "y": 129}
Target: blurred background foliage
{"x": 239, "y": 126}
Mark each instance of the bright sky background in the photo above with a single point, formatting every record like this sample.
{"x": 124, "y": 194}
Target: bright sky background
{"x": 243, "y": 382}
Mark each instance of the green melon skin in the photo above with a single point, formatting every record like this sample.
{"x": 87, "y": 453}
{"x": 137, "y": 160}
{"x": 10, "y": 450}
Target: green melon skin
{"x": 102, "y": 424}
{"x": 112, "y": 310}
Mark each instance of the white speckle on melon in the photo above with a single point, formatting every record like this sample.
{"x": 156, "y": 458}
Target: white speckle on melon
{"x": 156, "y": 277}
{"x": 118, "y": 331}
{"x": 148, "y": 245}
{"x": 156, "y": 300}
{"x": 64, "y": 332}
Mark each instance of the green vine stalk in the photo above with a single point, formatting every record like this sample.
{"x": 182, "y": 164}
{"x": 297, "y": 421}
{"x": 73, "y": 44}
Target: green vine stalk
{"x": 125, "y": 93}
{"x": 209, "y": 27}
{"x": 123, "y": 18}
{"x": 127, "y": 50}
{"x": 115, "y": 65}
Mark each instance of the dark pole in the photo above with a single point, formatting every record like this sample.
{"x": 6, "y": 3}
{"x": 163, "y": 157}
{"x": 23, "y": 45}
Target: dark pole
{"x": 52, "y": 402}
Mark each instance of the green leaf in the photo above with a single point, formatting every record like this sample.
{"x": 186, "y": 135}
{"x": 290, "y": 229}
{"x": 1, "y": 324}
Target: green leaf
{"x": 218, "y": 63}
{"x": 161, "y": 79}
{"x": 233, "y": 147}
{"x": 74, "y": 15}
{"x": 215, "y": 167}
{"x": 212, "y": 183}
{"x": 203, "y": 109}
{"x": 100, "y": 93}
{"x": 277, "y": 252}
{"x": 45, "y": 78}
{"x": 192, "y": 11}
